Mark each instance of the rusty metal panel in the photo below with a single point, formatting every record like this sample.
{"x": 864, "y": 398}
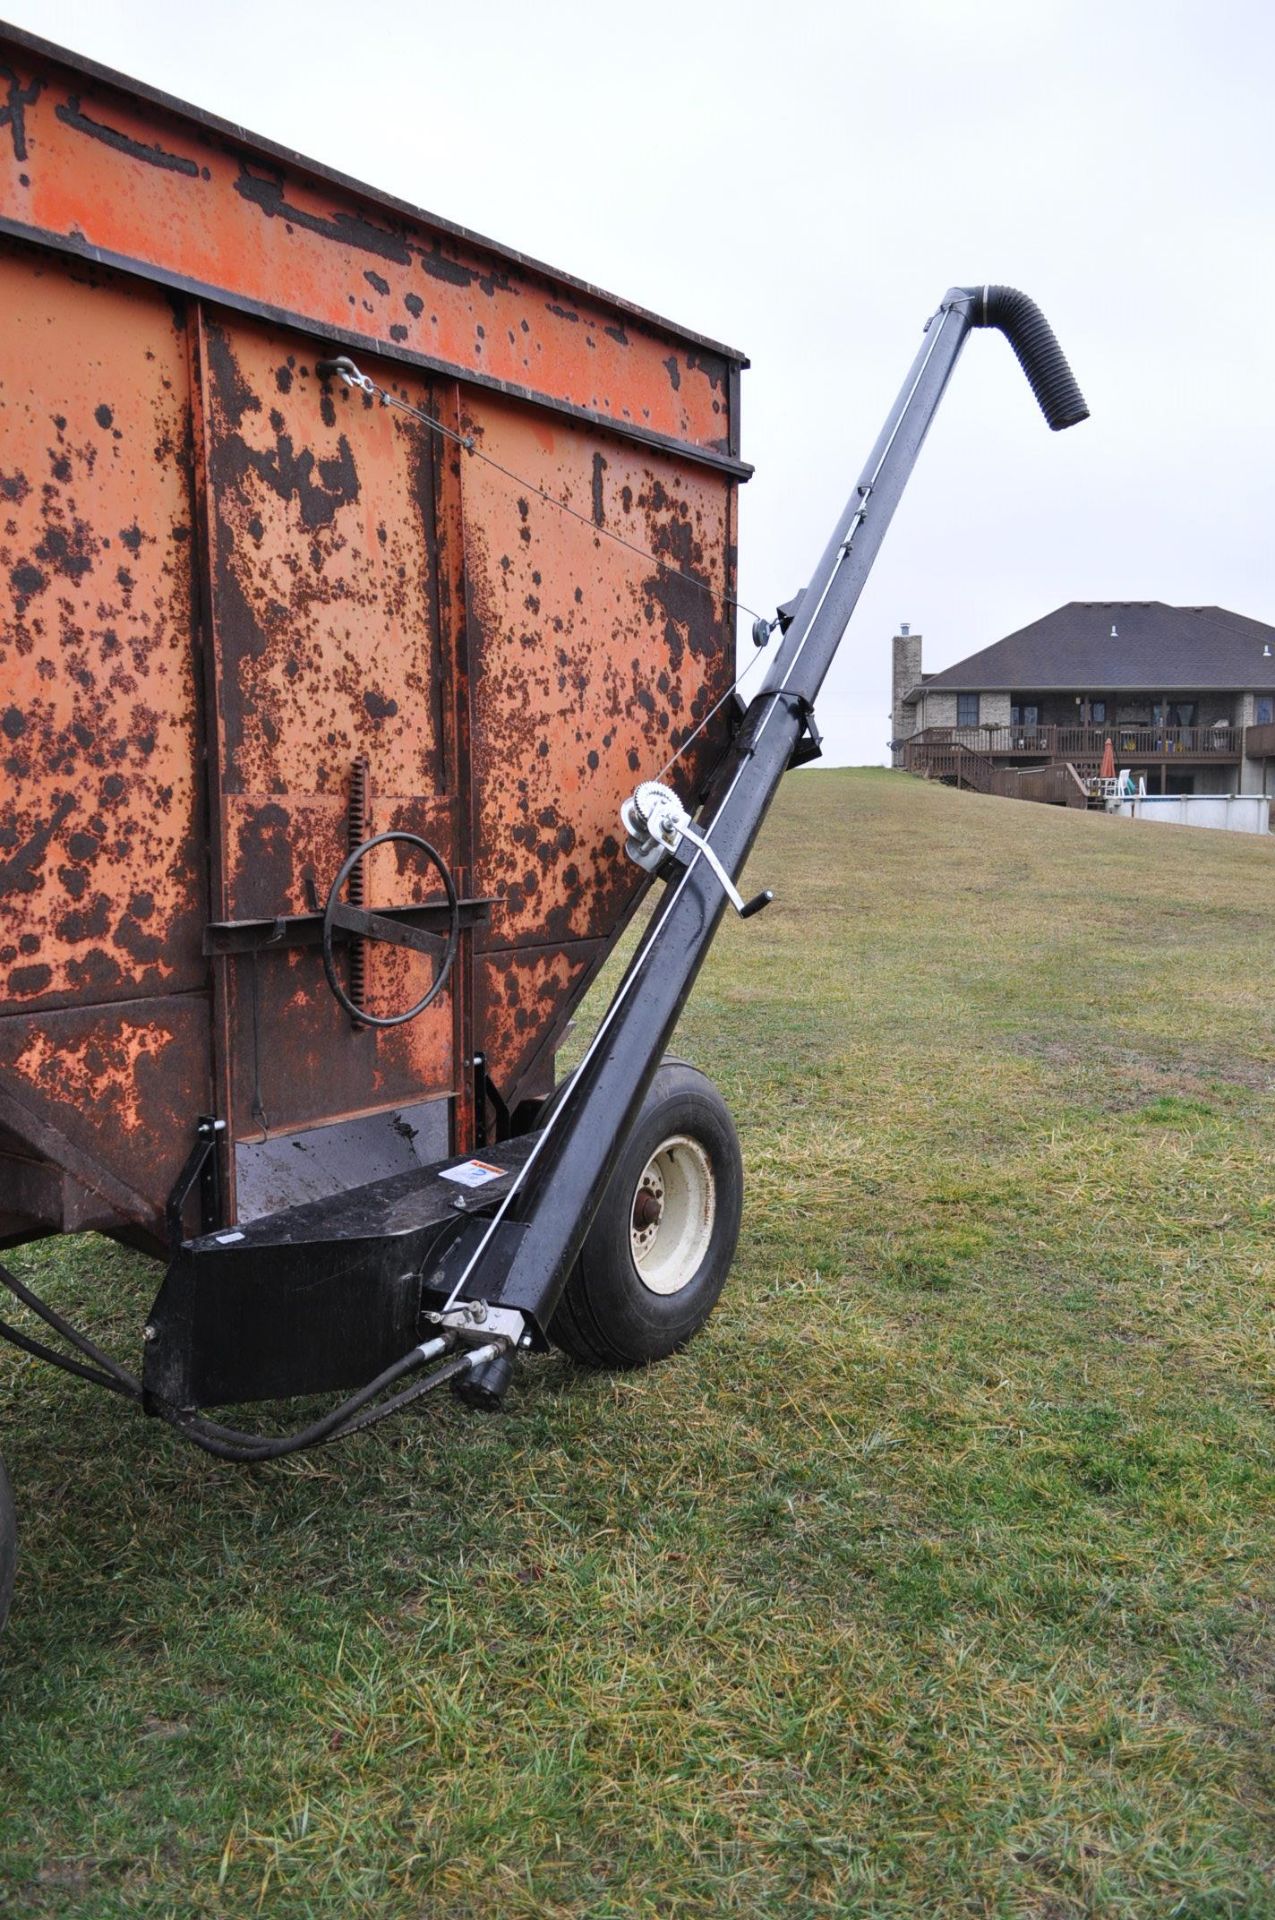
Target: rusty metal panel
{"x": 294, "y": 1059}
{"x": 298, "y": 1062}
{"x": 328, "y": 647}
{"x": 91, "y": 162}
{"x": 111, "y": 1091}
{"x": 523, "y": 1000}
{"x": 321, "y": 510}
{"x": 101, "y": 878}
{"x": 590, "y": 664}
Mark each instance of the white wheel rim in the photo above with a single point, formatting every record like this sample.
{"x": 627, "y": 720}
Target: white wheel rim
{"x": 671, "y": 1219}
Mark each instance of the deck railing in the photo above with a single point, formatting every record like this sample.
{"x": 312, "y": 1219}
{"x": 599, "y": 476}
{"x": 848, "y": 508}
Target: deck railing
{"x": 1057, "y": 785}
{"x": 1259, "y": 742}
{"x": 1131, "y": 744}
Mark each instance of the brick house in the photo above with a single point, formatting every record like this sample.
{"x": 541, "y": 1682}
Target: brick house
{"x": 1185, "y": 694}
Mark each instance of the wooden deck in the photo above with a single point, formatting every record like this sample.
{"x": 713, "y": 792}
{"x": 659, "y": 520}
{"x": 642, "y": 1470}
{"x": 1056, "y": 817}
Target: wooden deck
{"x": 1082, "y": 746}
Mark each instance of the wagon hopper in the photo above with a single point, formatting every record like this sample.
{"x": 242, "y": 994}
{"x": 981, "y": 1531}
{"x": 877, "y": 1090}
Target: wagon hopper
{"x": 252, "y": 617}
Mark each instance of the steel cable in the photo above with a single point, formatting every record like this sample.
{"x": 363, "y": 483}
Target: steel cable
{"x": 354, "y": 377}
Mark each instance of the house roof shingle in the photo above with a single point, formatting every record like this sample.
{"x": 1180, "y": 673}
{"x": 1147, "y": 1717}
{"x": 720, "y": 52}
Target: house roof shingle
{"x": 1157, "y": 649}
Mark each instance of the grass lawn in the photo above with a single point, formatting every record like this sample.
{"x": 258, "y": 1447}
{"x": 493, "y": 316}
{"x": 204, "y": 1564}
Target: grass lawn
{"x": 935, "y": 1578}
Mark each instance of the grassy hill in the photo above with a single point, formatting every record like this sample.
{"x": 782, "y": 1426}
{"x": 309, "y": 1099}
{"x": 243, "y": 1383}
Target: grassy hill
{"x": 935, "y": 1578}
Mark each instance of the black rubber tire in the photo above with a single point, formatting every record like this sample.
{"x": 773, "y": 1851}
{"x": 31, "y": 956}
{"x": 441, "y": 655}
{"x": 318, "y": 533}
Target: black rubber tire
{"x": 8, "y": 1545}
{"x": 607, "y": 1316}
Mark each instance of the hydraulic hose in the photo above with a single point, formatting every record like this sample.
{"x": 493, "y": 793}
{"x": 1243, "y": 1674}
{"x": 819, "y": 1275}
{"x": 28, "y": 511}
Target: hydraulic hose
{"x": 352, "y": 1415}
{"x": 1039, "y": 354}
{"x": 120, "y": 1378}
{"x": 38, "y": 1351}
{"x": 233, "y": 1443}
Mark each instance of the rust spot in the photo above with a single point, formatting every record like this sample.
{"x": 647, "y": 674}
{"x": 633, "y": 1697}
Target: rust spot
{"x": 154, "y": 156}
{"x": 26, "y": 982}
{"x": 20, "y": 873}
{"x": 13, "y": 112}
{"x": 346, "y": 228}
{"x": 441, "y": 267}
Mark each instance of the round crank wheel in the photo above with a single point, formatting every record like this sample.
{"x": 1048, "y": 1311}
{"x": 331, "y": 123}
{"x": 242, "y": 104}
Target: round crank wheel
{"x": 364, "y": 923}
{"x": 660, "y": 1247}
{"x": 8, "y": 1545}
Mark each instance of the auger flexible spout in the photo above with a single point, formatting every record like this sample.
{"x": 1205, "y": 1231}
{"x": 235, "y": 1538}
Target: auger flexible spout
{"x": 1039, "y": 354}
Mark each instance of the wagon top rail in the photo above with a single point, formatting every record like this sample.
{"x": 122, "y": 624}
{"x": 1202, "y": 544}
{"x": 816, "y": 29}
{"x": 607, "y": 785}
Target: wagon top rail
{"x": 189, "y": 200}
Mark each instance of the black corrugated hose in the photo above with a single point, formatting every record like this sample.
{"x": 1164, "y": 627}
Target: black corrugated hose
{"x": 1039, "y": 354}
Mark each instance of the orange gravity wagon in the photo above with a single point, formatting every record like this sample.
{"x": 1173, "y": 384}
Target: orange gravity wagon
{"x": 366, "y": 652}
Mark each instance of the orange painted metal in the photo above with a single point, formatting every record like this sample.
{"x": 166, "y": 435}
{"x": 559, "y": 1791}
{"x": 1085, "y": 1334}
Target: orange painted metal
{"x": 227, "y": 581}
{"x": 212, "y": 211}
{"x": 97, "y": 674}
{"x": 590, "y": 667}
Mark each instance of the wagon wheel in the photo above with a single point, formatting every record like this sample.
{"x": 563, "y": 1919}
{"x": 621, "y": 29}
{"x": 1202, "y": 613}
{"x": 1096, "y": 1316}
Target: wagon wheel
{"x": 658, "y": 1252}
{"x": 366, "y": 924}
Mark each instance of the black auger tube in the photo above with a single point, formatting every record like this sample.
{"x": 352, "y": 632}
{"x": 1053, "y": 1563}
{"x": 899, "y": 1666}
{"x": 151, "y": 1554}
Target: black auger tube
{"x": 568, "y": 1172}
{"x": 1039, "y": 354}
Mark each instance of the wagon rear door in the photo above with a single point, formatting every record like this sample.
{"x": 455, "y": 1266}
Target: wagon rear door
{"x": 328, "y": 642}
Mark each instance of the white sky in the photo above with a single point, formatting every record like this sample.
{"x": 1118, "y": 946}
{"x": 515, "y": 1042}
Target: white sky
{"x": 803, "y": 180}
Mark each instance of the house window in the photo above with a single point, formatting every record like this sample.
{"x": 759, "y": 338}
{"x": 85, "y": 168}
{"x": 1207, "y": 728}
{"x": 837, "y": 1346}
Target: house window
{"x": 967, "y": 709}
{"x": 1098, "y": 712}
{"x": 1263, "y": 710}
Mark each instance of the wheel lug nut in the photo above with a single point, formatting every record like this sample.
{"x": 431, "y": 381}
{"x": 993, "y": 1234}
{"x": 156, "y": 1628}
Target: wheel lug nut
{"x": 646, "y": 1211}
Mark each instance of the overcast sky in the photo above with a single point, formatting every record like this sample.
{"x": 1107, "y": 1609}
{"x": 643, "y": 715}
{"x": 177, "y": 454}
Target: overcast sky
{"x": 803, "y": 180}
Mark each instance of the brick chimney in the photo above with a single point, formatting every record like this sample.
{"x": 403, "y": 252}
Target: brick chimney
{"x": 907, "y": 674}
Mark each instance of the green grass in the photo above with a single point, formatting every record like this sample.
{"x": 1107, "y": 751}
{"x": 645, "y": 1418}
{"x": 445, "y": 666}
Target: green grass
{"x": 935, "y": 1578}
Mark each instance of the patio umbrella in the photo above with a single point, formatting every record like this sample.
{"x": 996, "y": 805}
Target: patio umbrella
{"x": 1107, "y": 771}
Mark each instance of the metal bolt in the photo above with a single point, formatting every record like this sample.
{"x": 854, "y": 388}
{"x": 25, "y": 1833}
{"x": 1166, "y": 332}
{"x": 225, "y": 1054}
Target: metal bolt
{"x": 149, "y": 1333}
{"x": 647, "y": 1210}
{"x": 460, "y": 1203}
